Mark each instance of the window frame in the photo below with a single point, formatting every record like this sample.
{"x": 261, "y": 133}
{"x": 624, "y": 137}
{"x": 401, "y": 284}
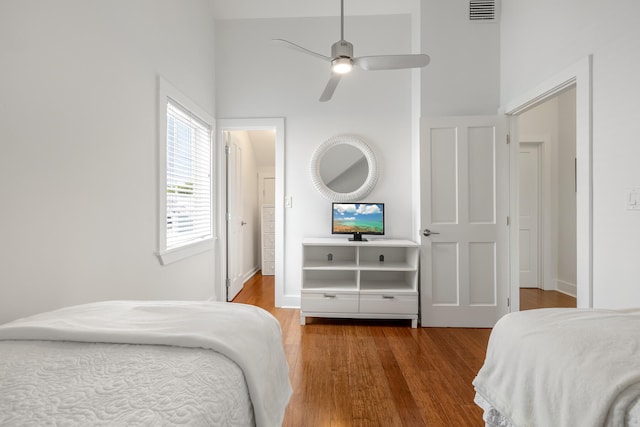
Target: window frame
{"x": 167, "y": 92}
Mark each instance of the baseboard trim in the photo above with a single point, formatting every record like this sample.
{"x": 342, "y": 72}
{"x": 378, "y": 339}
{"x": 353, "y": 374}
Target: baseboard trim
{"x": 249, "y": 274}
{"x": 290, "y": 301}
{"x": 567, "y": 288}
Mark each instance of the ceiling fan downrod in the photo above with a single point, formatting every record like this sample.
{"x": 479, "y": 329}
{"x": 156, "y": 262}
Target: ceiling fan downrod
{"x": 341, "y": 19}
{"x": 342, "y": 50}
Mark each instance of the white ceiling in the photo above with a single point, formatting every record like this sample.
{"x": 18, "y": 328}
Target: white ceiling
{"x": 246, "y": 9}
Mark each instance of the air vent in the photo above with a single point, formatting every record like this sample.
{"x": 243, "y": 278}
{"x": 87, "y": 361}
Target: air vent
{"x": 482, "y": 10}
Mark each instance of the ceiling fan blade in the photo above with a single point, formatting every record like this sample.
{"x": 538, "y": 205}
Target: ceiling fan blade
{"x": 392, "y": 62}
{"x": 330, "y": 88}
{"x": 299, "y": 48}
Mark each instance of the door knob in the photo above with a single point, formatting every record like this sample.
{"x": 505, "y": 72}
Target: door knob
{"x": 428, "y": 232}
{"x": 243, "y": 223}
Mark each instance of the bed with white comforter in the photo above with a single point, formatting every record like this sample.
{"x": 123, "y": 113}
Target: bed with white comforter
{"x": 144, "y": 363}
{"x": 562, "y": 367}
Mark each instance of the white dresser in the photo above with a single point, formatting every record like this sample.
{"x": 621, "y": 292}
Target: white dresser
{"x": 374, "y": 279}
{"x": 268, "y": 223}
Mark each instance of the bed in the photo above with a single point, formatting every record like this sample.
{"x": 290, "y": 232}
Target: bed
{"x": 562, "y": 367}
{"x": 144, "y": 363}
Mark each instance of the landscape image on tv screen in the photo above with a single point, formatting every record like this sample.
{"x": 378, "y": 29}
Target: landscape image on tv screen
{"x": 365, "y": 218}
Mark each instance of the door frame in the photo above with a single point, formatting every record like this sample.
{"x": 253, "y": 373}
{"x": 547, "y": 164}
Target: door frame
{"x": 278, "y": 125}
{"x": 580, "y": 76}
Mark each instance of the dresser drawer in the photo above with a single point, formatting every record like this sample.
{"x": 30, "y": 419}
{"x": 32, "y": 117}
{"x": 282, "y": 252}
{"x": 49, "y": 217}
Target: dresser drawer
{"x": 268, "y": 254}
{"x": 268, "y": 268}
{"x": 269, "y": 240}
{"x": 328, "y": 302}
{"x": 389, "y": 303}
{"x": 269, "y": 227}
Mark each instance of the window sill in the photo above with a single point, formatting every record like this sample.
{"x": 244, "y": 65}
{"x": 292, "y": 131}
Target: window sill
{"x": 173, "y": 255}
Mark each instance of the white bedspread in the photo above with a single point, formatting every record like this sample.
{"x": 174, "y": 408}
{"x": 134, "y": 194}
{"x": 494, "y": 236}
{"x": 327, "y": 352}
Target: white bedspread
{"x": 561, "y": 367}
{"x": 62, "y": 383}
{"x": 248, "y": 335}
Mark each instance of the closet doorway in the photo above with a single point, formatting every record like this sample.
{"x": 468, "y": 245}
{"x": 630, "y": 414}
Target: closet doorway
{"x": 251, "y": 177}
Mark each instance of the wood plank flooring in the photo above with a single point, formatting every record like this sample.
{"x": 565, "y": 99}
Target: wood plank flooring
{"x": 531, "y": 298}
{"x": 374, "y": 373}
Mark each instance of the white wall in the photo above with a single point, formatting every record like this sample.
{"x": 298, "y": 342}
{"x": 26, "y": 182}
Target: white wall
{"x": 78, "y": 221}
{"x": 463, "y": 77}
{"x": 567, "y": 279}
{"x": 540, "y": 39}
{"x": 256, "y": 78}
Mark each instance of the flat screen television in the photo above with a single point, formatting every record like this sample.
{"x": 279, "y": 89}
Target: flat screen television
{"x": 357, "y": 219}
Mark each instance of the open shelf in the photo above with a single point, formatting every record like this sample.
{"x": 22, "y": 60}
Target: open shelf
{"x": 330, "y": 280}
{"x": 329, "y": 265}
{"x": 386, "y": 266}
{"x": 374, "y": 279}
{"x": 388, "y": 281}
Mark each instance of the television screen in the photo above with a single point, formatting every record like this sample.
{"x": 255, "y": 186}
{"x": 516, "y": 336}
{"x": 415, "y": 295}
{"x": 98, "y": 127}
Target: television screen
{"x": 357, "y": 219}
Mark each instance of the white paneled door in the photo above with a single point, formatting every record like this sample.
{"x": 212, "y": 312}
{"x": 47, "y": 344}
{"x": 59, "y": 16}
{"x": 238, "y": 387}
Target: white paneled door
{"x": 529, "y": 211}
{"x": 464, "y": 196}
{"x": 235, "y": 220}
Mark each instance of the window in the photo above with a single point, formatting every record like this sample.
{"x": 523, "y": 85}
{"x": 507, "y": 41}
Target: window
{"x": 186, "y": 207}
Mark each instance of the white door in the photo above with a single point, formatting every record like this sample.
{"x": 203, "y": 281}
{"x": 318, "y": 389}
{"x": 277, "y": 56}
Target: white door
{"x": 464, "y": 192}
{"x": 235, "y": 220}
{"x": 529, "y": 211}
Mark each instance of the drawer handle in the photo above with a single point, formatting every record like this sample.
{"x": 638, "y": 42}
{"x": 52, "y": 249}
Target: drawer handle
{"x": 388, "y": 297}
{"x": 329, "y": 296}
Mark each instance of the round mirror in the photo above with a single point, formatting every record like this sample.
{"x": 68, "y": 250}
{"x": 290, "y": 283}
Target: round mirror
{"x": 344, "y": 169}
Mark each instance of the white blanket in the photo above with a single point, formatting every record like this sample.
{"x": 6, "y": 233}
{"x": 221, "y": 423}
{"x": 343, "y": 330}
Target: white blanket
{"x": 561, "y": 367}
{"x": 80, "y": 384}
{"x": 248, "y": 335}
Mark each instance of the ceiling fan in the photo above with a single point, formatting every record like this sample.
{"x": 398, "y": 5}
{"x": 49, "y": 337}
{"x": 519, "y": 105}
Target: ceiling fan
{"x": 342, "y": 60}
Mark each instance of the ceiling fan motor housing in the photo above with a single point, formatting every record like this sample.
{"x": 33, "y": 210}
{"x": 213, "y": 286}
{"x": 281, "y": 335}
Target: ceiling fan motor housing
{"x": 342, "y": 49}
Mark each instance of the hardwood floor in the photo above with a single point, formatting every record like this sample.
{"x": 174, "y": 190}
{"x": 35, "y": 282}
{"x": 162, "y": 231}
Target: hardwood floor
{"x": 374, "y": 373}
{"x": 531, "y": 298}
{"x": 380, "y": 373}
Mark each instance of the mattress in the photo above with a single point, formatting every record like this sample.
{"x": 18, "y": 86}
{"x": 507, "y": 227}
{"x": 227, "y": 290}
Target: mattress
{"x": 46, "y": 383}
{"x": 493, "y": 418}
{"x": 144, "y": 363}
{"x": 562, "y": 367}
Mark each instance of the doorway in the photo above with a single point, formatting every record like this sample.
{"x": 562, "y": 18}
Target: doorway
{"x": 576, "y": 77}
{"x": 254, "y": 155}
{"x": 547, "y": 196}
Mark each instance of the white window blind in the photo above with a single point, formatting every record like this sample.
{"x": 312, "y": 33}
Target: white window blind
{"x": 188, "y": 178}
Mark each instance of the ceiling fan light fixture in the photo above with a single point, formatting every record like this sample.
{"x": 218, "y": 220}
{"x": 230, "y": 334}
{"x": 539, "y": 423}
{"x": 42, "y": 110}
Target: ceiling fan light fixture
{"x": 342, "y": 58}
{"x": 341, "y": 65}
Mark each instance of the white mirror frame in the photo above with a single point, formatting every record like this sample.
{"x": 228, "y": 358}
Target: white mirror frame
{"x": 365, "y": 188}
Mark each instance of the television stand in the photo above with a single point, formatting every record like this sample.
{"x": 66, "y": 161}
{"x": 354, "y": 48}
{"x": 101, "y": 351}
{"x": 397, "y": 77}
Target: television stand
{"x": 352, "y": 279}
{"x": 357, "y": 237}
